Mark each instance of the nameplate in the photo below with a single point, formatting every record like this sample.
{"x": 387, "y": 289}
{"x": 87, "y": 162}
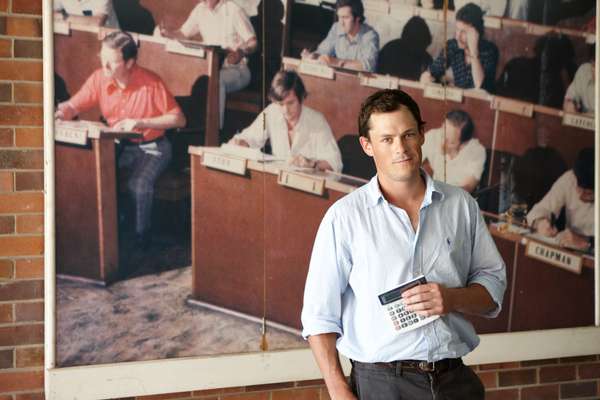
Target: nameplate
{"x": 578, "y": 121}
{"x": 62, "y": 28}
{"x": 378, "y": 6}
{"x": 554, "y": 256}
{"x": 175, "y": 46}
{"x": 71, "y": 133}
{"x": 309, "y": 2}
{"x": 439, "y": 92}
{"x": 379, "y": 81}
{"x": 302, "y": 182}
{"x": 492, "y": 22}
{"x": 512, "y": 106}
{"x": 429, "y": 13}
{"x": 316, "y": 69}
{"x": 539, "y": 30}
{"x": 454, "y": 94}
{"x": 226, "y": 163}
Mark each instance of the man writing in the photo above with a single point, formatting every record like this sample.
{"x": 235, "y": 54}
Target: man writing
{"x": 131, "y": 98}
{"x": 400, "y": 225}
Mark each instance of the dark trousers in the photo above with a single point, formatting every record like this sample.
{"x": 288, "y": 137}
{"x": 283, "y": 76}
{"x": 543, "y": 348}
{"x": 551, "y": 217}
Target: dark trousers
{"x": 376, "y": 382}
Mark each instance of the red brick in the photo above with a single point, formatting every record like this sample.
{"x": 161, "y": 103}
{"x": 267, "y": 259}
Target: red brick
{"x": 3, "y": 8}
{"x": 313, "y": 382}
{"x": 7, "y": 137}
{"x": 29, "y": 357}
{"x": 20, "y": 381}
{"x": 6, "y": 181}
{"x": 269, "y": 386}
{"x": 30, "y": 396}
{"x": 544, "y": 392}
{"x": 23, "y": 26}
{"x": 20, "y": 70}
{"x": 489, "y": 379}
{"x": 21, "y": 115}
{"x": 27, "y": 48}
{"x": 5, "y": 92}
{"x": 29, "y": 312}
{"x": 589, "y": 371}
{"x": 578, "y": 359}
{"x": 7, "y": 224}
{"x": 21, "y": 159}
{"x": 21, "y": 203}
{"x": 6, "y": 313}
{"x": 27, "y": 7}
{"x": 5, "y": 48}
{"x": 246, "y": 396}
{"x": 6, "y": 396}
{"x": 506, "y": 365}
{"x": 21, "y": 335}
{"x": 6, "y": 269}
{"x": 29, "y": 268}
{"x": 28, "y": 93}
{"x": 325, "y": 394}
{"x": 29, "y": 137}
{"x": 21, "y": 246}
{"x": 517, "y": 377}
{"x": 509, "y": 394}
{"x": 7, "y": 359}
{"x": 298, "y": 394}
{"x": 167, "y": 396}
{"x": 30, "y": 224}
{"x": 578, "y": 389}
{"x": 28, "y": 181}
{"x": 21, "y": 290}
{"x": 557, "y": 373}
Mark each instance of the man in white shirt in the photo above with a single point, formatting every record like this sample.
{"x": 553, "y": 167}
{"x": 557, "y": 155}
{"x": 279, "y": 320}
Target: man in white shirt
{"x": 574, "y": 191}
{"x": 88, "y": 12}
{"x": 223, "y": 23}
{"x": 297, "y": 133}
{"x": 580, "y": 95}
{"x": 452, "y": 154}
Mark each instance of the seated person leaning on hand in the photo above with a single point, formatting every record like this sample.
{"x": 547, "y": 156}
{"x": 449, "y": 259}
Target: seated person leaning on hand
{"x": 297, "y": 133}
{"x": 454, "y": 144}
{"x": 574, "y": 191}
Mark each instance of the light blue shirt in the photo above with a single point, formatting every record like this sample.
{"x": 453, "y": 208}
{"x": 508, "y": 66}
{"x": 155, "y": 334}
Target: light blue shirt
{"x": 364, "y": 47}
{"x": 366, "y": 246}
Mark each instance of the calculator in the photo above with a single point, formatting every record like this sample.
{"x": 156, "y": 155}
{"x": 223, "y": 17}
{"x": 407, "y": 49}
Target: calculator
{"x": 401, "y": 319}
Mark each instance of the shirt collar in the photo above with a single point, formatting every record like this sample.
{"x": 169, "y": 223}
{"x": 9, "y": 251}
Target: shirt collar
{"x": 134, "y": 81}
{"x": 374, "y": 195}
{"x": 361, "y": 31}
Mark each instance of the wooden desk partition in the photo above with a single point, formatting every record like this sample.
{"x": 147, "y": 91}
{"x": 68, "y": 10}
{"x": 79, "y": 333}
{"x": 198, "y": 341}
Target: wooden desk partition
{"x": 172, "y": 12}
{"x": 76, "y": 57}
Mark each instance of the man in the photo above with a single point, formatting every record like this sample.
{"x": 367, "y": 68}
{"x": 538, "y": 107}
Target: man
{"x": 574, "y": 191}
{"x": 473, "y": 59}
{"x": 580, "y": 96}
{"x": 88, "y": 12}
{"x": 350, "y": 42}
{"x": 297, "y": 133}
{"x": 451, "y": 153}
{"x": 400, "y": 225}
{"x": 131, "y": 98}
{"x": 223, "y": 23}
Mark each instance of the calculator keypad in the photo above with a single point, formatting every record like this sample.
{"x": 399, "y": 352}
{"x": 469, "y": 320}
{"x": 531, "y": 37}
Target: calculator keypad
{"x": 404, "y": 319}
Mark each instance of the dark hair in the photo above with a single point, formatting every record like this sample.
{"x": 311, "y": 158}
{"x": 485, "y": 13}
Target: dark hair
{"x": 416, "y": 33}
{"x": 462, "y": 120}
{"x": 473, "y": 15}
{"x": 283, "y": 82}
{"x": 385, "y": 101}
{"x": 358, "y": 11}
{"x": 123, "y": 41}
{"x": 584, "y": 168}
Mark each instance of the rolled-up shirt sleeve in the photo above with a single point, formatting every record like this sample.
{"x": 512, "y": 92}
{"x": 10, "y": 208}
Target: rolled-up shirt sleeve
{"x": 487, "y": 266}
{"x": 326, "y": 281}
{"x": 327, "y": 46}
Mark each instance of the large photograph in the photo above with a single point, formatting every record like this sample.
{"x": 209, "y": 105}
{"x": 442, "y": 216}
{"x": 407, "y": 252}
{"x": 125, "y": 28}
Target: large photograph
{"x": 198, "y": 145}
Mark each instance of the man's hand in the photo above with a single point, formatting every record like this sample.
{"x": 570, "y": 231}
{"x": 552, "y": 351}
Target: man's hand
{"x": 234, "y": 56}
{"x": 302, "y": 162}
{"x": 428, "y": 299}
{"x": 307, "y": 55}
{"x": 64, "y": 112}
{"x": 325, "y": 59}
{"x": 543, "y": 226}
{"x": 568, "y": 238}
{"x": 473, "y": 41}
{"x": 239, "y": 142}
{"x": 426, "y": 77}
{"x": 128, "y": 125}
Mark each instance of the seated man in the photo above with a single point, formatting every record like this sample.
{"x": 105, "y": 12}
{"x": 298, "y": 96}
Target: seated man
{"x": 223, "y": 23}
{"x": 574, "y": 191}
{"x": 131, "y": 98}
{"x": 453, "y": 144}
{"x": 473, "y": 60}
{"x": 350, "y": 42}
{"x": 580, "y": 94}
{"x": 88, "y": 12}
{"x": 297, "y": 133}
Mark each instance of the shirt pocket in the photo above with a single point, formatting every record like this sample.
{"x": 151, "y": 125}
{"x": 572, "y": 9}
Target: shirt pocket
{"x": 448, "y": 264}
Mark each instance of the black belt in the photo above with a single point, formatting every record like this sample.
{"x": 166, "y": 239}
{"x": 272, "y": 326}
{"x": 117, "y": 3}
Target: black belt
{"x": 440, "y": 366}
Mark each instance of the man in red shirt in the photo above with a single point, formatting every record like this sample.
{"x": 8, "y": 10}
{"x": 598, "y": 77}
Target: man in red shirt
{"x": 131, "y": 98}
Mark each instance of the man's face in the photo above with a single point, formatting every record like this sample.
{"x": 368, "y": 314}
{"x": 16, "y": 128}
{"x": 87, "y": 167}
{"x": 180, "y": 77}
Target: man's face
{"x": 585, "y": 195}
{"x": 347, "y": 21}
{"x": 452, "y": 139}
{"x": 113, "y": 64}
{"x": 395, "y": 144}
{"x": 461, "y": 34}
{"x": 290, "y": 107}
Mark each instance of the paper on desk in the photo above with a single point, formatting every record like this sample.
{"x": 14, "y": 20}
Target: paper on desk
{"x": 247, "y": 152}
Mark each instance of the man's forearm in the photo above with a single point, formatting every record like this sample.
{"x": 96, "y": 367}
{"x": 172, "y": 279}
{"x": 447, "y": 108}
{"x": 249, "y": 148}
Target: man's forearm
{"x": 474, "y": 300}
{"x": 165, "y": 121}
{"x": 326, "y": 355}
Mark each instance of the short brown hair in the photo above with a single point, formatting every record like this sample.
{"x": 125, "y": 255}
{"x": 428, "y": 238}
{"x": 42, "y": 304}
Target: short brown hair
{"x": 123, "y": 41}
{"x": 385, "y": 101}
{"x": 283, "y": 82}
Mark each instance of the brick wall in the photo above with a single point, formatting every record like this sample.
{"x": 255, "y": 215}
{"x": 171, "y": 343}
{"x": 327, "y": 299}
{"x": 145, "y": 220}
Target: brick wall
{"x": 21, "y": 250}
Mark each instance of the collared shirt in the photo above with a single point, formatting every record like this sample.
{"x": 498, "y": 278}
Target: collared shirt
{"x": 364, "y": 47}
{"x": 89, "y": 8}
{"x": 312, "y": 136}
{"x": 581, "y": 90}
{"x": 563, "y": 193}
{"x": 365, "y": 246}
{"x": 463, "y": 76}
{"x": 227, "y": 25}
{"x": 145, "y": 96}
{"x": 468, "y": 163}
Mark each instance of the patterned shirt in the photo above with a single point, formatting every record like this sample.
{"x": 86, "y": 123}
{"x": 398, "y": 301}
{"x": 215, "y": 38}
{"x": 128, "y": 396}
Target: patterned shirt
{"x": 463, "y": 78}
{"x": 364, "y": 47}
